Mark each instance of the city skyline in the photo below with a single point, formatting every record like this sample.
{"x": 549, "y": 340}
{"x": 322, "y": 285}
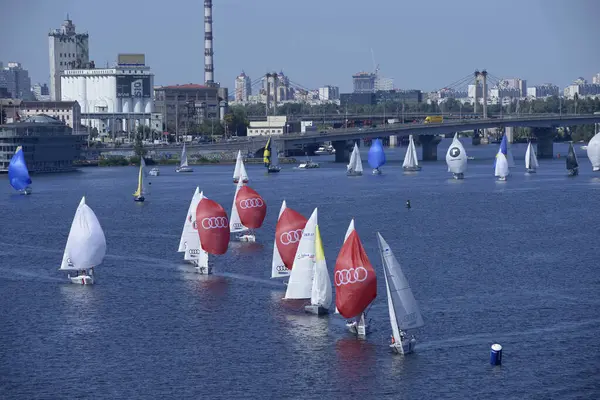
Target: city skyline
{"x": 326, "y": 53}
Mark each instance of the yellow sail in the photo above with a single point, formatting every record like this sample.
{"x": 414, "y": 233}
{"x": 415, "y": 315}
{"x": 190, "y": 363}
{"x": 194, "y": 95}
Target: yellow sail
{"x": 319, "y": 253}
{"x": 138, "y": 192}
{"x": 267, "y": 153}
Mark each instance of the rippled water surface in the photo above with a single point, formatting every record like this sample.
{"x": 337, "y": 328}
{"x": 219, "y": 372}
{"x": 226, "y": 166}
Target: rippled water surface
{"x": 513, "y": 262}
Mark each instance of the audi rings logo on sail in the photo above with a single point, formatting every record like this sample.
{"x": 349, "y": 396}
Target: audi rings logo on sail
{"x": 352, "y": 275}
{"x": 215, "y": 223}
{"x": 251, "y": 203}
{"x": 290, "y": 237}
{"x": 281, "y": 268}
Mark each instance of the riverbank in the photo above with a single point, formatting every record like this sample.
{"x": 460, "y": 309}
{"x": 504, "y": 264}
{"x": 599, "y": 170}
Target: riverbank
{"x": 116, "y": 161}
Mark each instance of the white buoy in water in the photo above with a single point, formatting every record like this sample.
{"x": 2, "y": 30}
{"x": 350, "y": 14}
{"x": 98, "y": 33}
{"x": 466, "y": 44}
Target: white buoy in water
{"x": 496, "y": 354}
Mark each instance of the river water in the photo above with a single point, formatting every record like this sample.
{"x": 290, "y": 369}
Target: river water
{"x": 514, "y": 263}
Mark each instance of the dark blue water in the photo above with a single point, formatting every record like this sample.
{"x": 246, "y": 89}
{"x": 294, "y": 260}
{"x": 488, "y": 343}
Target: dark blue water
{"x": 514, "y": 263}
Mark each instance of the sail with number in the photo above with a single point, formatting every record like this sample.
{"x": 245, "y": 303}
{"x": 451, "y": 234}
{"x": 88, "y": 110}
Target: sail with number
{"x": 240, "y": 169}
{"x": 86, "y": 244}
{"x": 354, "y": 277}
{"x": 376, "y": 155}
{"x": 593, "y": 152}
{"x": 18, "y": 174}
{"x": 531, "y": 162}
{"x": 402, "y": 306}
{"x": 456, "y": 157}
{"x": 301, "y": 277}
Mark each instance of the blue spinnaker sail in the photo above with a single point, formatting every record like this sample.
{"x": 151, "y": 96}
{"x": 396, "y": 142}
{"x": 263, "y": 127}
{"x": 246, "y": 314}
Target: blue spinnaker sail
{"x": 503, "y": 149}
{"x": 376, "y": 154}
{"x": 18, "y": 175}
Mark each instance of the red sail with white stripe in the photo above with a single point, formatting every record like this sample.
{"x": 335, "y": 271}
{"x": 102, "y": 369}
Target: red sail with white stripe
{"x": 251, "y": 207}
{"x": 213, "y": 226}
{"x": 288, "y": 233}
{"x": 354, "y": 278}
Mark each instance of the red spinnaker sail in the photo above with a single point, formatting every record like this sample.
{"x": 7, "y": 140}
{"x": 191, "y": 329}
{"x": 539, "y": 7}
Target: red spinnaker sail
{"x": 354, "y": 278}
{"x": 213, "y": 226}
{"x": 251, "y": 207}
{"x": 288, "y": 233}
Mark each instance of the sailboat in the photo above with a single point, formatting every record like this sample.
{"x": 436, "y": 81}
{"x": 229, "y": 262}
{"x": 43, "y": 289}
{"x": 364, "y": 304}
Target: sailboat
{"x": 572, "y": 164}
{"x": 376, "y": 156}
{"x": 86, "y": 246}
{"x": 355, "y": 281}
{"x": 240, "y": 170}
{"x": 456, "y": 158}
{"x": 288, "y": 233}
{"x": 141, "y": 189}
{"x": 248, "y": 212}
{"x": 402, "y": 306}
{"x": 18, "y": 174}
{"x": 411, "y": 162}
{"x": 213, "y": 231}
{"x": 354, "y": 167}
{"x": 307, "y": 279}
{"x": 189, "y": 243}
{"x": 321, "y": 294}
{"x": 531, "y": 162}
{"x": 183, "y": 166}
{"x": 271, "y": 158}
{"x": 501, "y": 168}
{"x": 593, "y": 152}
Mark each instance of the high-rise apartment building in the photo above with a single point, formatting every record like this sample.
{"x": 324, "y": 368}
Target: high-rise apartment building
{"x": 243, "y": 87}
{"x": 364, "y": 82}
{"x": 16, "y": 81}
{"x": 68, "y": 50}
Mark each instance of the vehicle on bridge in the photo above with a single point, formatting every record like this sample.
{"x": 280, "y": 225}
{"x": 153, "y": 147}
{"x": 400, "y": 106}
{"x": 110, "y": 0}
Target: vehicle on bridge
{"x": 434, "y": 119}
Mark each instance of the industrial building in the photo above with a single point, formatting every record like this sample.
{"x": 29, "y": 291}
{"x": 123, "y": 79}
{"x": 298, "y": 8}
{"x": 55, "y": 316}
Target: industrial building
{"x": 68, "y": 112}
{"x": 114, "y": 99}
{"x": 68, "y": 50}
{"x": 49, "y": 145}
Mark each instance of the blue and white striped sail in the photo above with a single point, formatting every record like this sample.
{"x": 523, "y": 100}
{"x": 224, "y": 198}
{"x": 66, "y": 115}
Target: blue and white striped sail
{"x": 18, "y": 175}
{"x": 376, "y": 154}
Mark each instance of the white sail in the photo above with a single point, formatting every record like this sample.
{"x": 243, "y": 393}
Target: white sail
{"x": 86, "y": 244}
{"x": 190, "y": 239}
{"x": 188, "y": 227}
{"x": 456, "y": 157}
{"x": 593, "y": 152}
{"x": 531, "y": 161}
{"x": 501, "y": 165}
{"x": 184, "y": 159}
{"x": 405, "y": 308}
{"x": 301, "y": 277}
{"x": 392, "y": 312}
{"x": 243, "y": 173}
{"x": 238, "y": 166}
{"x": 355, "y": 163}
{"x": 145, "y": 190}
{"x": 321, "y": 294}
{"x": 274, "y": 153}
{"x": 278, "y": 268}
{"x": 235, "y": 223}
{"x": 410, "y": 158}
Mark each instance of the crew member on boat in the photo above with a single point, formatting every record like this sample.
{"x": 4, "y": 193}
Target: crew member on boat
{"x": 393, "y": 340}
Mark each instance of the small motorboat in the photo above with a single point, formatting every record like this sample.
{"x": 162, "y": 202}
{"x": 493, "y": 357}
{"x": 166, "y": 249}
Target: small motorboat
{"x": 308, "y": 165}
{"x": 247, "y": 237}
{"x": 154, "y": 172}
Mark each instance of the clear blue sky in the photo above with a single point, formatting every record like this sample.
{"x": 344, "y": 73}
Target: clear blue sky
{"x": 424, "y": 44}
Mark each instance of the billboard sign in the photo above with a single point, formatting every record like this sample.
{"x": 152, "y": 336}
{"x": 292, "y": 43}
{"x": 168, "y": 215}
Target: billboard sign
{"x": 133, "y": 86}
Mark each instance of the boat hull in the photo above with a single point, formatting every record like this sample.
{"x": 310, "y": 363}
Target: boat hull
{"x": 376, "y": 172}
{"x": 82, "y": 279}
{"x": 237, "y": 180}
{"x": 184, "y": 169}
{"x": 153, "y": 173}
{"x": 411, "y": 169}
{"x": 458, "y": 176}
{"x": 531, "y": 171}
{"x": 358, "y": 329}
{"x": 26, "y": 191}
{"x": 273, "y": 170}
{"x": 247, "y": 238}
{"x": 502, "y": 178}
{"x": 316, "y": 309}
{"x": 204, "y": 270}
{"x": 408, "y": 346}
{"x": 573, "y": 172}
{"x": 139, "y": 199}
{"x": 353, "y": 173}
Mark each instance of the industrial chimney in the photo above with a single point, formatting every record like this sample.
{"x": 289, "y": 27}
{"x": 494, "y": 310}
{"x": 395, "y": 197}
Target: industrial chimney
{"x": 208, "y": 44}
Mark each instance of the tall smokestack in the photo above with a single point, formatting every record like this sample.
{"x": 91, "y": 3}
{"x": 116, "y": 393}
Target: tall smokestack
{"x": 208, "y": 44}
